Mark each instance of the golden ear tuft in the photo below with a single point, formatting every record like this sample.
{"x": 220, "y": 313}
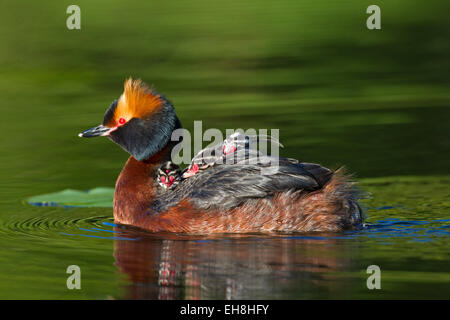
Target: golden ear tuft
{"x": 137, "y": 100}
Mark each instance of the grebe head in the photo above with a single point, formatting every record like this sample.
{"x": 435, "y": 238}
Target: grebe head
{"x": 168, "y": 175}
{"x": 141, "y": 121}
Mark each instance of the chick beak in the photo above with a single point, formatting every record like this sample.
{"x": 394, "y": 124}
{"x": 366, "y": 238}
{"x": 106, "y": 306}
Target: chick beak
{"x": 97, "y": 131}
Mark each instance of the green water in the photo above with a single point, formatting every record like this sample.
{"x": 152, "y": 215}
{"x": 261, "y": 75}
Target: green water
{"x": 374, "y": 101}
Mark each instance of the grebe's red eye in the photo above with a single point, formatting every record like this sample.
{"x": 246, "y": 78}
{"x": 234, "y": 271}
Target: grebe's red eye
{"x": 122, "y": 121}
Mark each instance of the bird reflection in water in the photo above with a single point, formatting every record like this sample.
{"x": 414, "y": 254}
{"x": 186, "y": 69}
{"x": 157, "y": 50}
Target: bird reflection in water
{"x": 228, "y": 267}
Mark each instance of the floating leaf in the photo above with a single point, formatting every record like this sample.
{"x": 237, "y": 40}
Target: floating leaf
{"x": 97, "y": 197}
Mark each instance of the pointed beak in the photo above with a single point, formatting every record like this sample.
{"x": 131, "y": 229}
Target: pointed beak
{"x": 97, "y": 131}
